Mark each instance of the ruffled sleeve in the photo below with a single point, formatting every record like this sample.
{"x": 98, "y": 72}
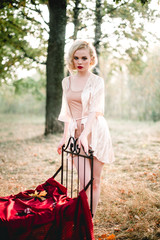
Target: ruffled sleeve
{"x": 64, "y": 115}
{"x": 97, "y": 96}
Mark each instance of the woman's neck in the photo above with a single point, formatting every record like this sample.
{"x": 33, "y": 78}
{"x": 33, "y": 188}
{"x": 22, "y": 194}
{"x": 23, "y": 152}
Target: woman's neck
{"x": 83, "y": 74}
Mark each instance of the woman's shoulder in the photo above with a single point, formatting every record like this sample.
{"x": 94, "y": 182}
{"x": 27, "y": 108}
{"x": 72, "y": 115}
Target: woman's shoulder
{"x": 65, "y": 82}
{"x": 97, "y": 79}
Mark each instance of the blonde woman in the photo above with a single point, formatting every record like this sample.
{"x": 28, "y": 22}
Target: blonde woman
{"x": 82, "y": 113}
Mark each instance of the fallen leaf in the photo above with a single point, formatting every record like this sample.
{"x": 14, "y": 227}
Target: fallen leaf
{"x": 103, "y": 235}
{"x": 111, "y": 237}
{"x": 122, "y": 191}
{"x": 41, "y": 195}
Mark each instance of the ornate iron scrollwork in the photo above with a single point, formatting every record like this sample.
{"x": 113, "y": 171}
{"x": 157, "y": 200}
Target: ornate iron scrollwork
{"x": 72, "y": 145}
{"x": 74, "y": 148}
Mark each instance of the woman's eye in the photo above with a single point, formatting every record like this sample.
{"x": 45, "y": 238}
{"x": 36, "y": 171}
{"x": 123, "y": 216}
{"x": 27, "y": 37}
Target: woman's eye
{"x": 75, "y": 58}
{"x": 84, "y": 58}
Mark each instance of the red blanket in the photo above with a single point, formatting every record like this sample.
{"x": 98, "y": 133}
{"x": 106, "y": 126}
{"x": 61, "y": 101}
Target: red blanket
{"x": 47, "y": 214}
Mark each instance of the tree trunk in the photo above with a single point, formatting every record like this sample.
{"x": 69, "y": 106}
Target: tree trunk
{"x": 75, "y": 18}
{"x": 55, "y": 64}
{"x": 98, "y": 32}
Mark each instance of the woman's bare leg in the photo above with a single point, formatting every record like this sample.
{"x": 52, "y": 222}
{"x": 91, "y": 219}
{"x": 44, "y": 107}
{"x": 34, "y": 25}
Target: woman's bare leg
{"x": 84, "y": 178}
{"x": 97, "y": 170}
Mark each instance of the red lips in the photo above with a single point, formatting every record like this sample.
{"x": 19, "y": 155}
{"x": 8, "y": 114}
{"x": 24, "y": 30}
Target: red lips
{"x": 80, "y": 67}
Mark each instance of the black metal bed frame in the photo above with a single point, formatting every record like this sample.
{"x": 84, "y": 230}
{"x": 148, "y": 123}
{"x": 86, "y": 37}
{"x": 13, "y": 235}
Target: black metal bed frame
{"x": 72, "y": 149}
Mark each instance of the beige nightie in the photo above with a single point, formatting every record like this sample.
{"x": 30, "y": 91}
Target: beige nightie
{"x": 75, "y": 109}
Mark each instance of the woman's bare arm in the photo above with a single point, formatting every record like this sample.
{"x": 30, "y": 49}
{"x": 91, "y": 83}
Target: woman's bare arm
{"x": 83, "y": 139}
{"x": 63, "y": 140}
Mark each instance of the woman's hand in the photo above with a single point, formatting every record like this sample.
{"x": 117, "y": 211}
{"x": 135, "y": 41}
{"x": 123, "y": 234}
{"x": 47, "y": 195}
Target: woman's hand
{"x": 64, "y": 138}
{"x": 59, "y": 148}
{"x": 83, "y": 141}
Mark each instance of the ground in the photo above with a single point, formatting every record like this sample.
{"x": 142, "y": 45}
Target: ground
{"x": 129, "y": 206}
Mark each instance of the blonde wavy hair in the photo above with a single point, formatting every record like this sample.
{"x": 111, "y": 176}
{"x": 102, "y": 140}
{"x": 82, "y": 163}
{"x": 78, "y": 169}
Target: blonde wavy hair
{"x": 81, "y": 44}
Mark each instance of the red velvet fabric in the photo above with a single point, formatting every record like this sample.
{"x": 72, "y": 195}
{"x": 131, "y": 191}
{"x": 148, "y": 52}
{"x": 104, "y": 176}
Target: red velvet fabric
{"x": 57, "y": 217}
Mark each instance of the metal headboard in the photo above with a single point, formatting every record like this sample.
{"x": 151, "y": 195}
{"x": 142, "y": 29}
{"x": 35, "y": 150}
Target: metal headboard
{"x": 72, "y": 149}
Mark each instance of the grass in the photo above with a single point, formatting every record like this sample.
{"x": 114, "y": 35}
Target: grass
{"x": 129, "y": 206}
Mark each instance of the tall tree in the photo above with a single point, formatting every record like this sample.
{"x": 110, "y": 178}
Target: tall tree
{"x": 17, "y": 22}
{"x": 55, "y": 63}
{"x": 76, "y": 21}
{"x": 98, "y": 31}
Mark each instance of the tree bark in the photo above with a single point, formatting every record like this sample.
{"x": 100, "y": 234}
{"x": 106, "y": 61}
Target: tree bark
{"x": 75, "y": 18}
{"x": 55, "y": 64}
{"x": 98, "y": 32}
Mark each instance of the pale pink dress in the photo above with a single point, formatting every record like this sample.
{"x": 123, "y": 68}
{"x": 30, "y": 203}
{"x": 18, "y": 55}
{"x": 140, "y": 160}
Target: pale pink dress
{"x": 75, "y": 106}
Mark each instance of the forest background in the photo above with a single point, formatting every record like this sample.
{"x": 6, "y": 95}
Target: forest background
{"x": 34, "y": 37}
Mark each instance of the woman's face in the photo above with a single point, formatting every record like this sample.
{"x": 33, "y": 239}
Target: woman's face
{"x": 82, "y": 59}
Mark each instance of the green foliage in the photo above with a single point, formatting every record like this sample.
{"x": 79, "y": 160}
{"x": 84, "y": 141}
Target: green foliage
{"x": 136, "y": 65}
{"x": 19, "y": 21}
{"x": 17, "y": 25}
{"x": 130, "y": 37}
{"x": 134, "y": 96}
{"x": 26, "y": 95}
{"x": 126, "y": 18}
{"x": 34, "y": 85}
{"x": 24, "y": 104}
{"x": 141, "y": 1}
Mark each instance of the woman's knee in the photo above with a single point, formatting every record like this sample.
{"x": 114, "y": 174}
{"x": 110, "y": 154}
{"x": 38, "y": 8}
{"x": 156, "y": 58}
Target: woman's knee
{"x": 96, "y": 183}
